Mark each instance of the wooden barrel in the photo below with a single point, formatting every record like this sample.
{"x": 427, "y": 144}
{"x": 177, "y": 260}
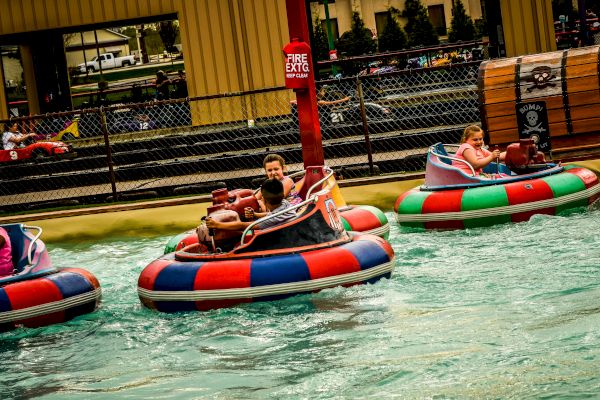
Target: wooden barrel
{"x": 554, "y": 96}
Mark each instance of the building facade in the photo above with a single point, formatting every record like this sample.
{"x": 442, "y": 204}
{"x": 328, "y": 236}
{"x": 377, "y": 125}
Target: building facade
{"x": 374, "y": 13}
{"x": 229, "y": 45}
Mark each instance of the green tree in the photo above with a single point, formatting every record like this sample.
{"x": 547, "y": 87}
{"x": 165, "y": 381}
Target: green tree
{"x": 419, "y": 29}
{"x": 358, "y": 40}
{"x": 393, "y": 36}
{"x": 320, "y": 46}
{"x": 168, "y": 30}
{"x": 154, "y": 44}
{"x": 131, "y": 32}
{"x": 461, "y": 27}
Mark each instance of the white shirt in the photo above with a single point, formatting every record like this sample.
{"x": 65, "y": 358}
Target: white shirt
{"x": 280, "y": 219}
{"x": 6, "y": 142}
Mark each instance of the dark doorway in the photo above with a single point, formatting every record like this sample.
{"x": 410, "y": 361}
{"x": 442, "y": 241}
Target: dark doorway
{"x": 492, "y": 13}
{"x": 50, "y": 66}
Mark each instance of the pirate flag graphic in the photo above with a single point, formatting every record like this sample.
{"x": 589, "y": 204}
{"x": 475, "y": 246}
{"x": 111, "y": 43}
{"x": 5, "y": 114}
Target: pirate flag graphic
{"x": 532, "y": 120}
{"x": 537, "y": 80}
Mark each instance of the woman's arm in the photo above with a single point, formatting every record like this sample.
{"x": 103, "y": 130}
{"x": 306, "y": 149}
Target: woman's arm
{"x": 469, "y": 155}
{"x": 332, "y": 102}
{"x": 18, "y": 139}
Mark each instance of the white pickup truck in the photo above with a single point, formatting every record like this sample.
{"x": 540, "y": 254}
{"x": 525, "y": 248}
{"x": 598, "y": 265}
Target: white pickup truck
{"x": 108, "y": 61}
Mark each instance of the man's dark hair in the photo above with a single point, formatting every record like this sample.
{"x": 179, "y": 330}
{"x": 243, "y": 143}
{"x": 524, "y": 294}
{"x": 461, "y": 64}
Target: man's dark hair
{"x": 272, "y": 191}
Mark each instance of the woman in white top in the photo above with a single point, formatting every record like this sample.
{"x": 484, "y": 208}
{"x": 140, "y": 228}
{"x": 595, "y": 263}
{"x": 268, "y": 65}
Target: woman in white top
{"x": 11, "y": 138}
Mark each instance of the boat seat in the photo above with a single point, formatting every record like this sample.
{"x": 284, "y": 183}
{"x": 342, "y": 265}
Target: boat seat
{"x": 312, "y": 176}
{"x": 312, "y": 229}
{"x": 19, "y": 240}
{"x": 524, "y": 158}
{"x": 441, "y": 150}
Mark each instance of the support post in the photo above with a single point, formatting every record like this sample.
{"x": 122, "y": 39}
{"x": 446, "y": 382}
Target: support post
{"x": 584, "y": 32}
{"x": 308, "y": 116}
{"x": 109, "y": 160}
{"x": 363, "y": 117}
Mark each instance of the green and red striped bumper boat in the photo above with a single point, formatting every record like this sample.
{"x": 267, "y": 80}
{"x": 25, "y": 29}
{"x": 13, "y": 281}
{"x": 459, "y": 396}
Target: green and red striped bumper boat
{"x": 478, "y": 202}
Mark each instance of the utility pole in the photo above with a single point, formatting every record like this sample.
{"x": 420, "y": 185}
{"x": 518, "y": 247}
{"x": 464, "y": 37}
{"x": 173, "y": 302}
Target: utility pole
{"x": 84, "y": 55}
{"x": 98, "y": 54}
{"x": 145, "y": 59}
{"x": 329, "y": 34}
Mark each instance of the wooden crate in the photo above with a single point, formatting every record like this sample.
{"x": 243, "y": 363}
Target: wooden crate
{"x": 566, "y": 82}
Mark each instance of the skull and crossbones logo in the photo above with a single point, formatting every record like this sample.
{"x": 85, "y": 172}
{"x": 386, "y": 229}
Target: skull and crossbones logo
{"x": 541, "y": 77}
{"x": 533, "y": 122}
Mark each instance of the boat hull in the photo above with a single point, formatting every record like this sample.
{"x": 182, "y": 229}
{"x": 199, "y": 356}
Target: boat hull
{"x": 169, "y": 285}
{"x": 495, "y": 204}
{"x": 49, "y": 299}
{"x": 365, "y": 219}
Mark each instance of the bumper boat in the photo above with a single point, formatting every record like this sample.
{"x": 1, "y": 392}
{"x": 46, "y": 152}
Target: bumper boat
{"x": 38, "y": 294}
{"x": 512, "y": 192}
{"x": 355, "y": 218}
{"x": 306, "y": 254}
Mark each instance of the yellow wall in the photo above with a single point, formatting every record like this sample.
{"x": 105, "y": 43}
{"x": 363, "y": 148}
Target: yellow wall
{"x": 229, "y": 45}
{"x": 528, "y": 26}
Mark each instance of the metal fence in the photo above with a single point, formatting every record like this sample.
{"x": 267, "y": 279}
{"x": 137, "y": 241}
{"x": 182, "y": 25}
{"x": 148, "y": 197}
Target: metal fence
{"x": 373, "y": 124}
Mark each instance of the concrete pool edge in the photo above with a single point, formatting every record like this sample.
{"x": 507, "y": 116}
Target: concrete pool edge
{"x": 157, "y": 217}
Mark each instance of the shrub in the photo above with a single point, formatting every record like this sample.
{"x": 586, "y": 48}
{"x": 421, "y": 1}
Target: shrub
{"x": 393, "y": 36}
{"x": 461, "y": 27}
{"x": 358, "y": 40}
{"x": 419, "y": 29}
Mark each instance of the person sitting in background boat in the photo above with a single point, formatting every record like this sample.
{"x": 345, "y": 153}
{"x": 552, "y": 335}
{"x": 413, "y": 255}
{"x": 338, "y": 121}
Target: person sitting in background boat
{"x": 275, "y": 168}
{"x": 274, "y": 201}
{"x": 162, "y": 83}
{"x": 6, "y": 264}
{"x": 11, "y": 138}
{"x": 181, "y": 90}
{"x": 327, "y": 97}
{"x": 472, "y": 151}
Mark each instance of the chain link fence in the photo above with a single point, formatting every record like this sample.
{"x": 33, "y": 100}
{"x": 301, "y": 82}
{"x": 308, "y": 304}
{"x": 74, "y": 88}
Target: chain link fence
{"x": 373, "y": 124}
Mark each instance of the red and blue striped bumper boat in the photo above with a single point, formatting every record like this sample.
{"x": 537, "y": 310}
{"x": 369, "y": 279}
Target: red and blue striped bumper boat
{"x": 37, "y": 293}
{"x": 309, "y": 253}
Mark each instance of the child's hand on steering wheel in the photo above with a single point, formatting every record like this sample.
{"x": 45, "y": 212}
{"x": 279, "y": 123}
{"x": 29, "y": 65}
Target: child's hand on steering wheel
{"x": 249, "y": 213}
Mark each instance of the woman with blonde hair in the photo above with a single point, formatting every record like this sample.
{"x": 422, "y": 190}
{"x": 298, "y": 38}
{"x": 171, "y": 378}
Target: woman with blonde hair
{"x": 472, "y": 151}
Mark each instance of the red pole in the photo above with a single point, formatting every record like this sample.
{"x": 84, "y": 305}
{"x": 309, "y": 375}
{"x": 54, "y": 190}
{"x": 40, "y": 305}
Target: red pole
{"x": 308, "y": 116}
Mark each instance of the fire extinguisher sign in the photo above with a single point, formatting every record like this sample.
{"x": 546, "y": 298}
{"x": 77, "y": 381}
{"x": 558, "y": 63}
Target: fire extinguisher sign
{"x": 296, "y": 66}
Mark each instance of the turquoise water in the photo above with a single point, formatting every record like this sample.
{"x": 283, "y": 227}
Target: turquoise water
{"x": 511, "y": 311}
